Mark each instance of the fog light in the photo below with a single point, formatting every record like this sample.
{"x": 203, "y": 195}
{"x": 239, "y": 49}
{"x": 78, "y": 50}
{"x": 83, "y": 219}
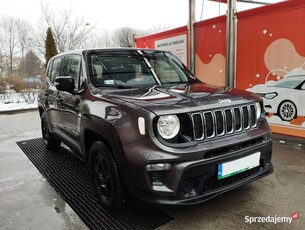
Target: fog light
{"x": 188, "y": 186}
{"x": 158, "y": 167}
{"x": 156, "y": 177}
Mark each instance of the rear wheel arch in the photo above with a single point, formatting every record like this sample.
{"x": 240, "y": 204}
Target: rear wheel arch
{"x": 40, "y": 110}
{"x": 50, "y": 141}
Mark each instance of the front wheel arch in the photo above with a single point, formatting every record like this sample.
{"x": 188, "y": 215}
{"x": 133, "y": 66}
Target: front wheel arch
{"x": 98, "y": 130}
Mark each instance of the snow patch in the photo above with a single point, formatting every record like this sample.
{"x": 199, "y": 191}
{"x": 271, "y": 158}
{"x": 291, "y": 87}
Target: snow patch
{"x": 18, "y": 101}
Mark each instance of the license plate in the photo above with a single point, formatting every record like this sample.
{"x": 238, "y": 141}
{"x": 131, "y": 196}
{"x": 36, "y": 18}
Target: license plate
{"x": 237, "y": 166}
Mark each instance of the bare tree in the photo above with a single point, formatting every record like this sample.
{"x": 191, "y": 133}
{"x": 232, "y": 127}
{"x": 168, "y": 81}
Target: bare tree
{"x": 38, "y": 40}
{"x": 1, "y": 60}
{"x": 25, "y": 32}
{"x": 15, "y": 37}
{"x": 9, "y": 39}
{"x": 154, "y": 29}
{"x": 123, "y": 37}
{"x": 69, "y": 32}
{"x": 101, "y": 39}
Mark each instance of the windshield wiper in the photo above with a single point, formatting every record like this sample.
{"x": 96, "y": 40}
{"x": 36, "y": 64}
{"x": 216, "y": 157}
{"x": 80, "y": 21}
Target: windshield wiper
{"x": 105, "y": 70}
{"x": 174, "y": 82}
{"x": 117, "y": 86}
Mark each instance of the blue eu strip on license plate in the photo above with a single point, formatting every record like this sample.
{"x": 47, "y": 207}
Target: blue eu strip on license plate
{"x": 232, "y": 168}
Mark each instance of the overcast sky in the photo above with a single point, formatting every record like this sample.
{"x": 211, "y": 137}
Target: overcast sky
{"x": 111, "y": 14}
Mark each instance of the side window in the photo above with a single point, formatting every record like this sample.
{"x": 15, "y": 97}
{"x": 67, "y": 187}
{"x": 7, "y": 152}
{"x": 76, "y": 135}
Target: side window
{"x": 72, "y": 68}
{"x": 55, "y": 70}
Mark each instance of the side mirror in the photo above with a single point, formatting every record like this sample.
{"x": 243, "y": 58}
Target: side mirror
{"x": 64, "y": 83}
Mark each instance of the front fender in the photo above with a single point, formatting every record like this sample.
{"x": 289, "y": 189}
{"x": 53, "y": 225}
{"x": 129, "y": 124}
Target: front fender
{"x": 94, "y": 128}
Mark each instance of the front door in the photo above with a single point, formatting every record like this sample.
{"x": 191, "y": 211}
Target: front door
{"x": 69, "y": 116}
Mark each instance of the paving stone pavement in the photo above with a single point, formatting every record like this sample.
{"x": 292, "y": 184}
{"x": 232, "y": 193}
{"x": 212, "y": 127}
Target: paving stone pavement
{"x": 19, "y": 122}
{"x": 27, "y": 201}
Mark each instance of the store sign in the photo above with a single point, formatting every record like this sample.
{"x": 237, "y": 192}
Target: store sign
{"x": 176, "y": 45}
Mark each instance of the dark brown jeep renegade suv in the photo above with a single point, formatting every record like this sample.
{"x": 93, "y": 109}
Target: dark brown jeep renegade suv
{"x": 149, "y": 128}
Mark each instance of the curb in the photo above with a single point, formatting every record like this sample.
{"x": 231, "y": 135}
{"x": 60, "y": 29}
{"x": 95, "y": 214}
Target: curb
{"x": 9, "y": 112}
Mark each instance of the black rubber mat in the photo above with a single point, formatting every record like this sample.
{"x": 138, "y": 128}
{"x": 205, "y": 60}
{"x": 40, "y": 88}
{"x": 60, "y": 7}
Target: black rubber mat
{"x": 70, "y": 178}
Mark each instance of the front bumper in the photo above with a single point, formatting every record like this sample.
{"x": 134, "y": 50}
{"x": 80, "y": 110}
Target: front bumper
{"x": 193, "y": 176}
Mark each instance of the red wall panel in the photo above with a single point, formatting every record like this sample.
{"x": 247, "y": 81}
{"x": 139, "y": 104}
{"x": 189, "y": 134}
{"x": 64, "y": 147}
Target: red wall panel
{"x": 210, "y": 45}
{"x": 270, "y": 49}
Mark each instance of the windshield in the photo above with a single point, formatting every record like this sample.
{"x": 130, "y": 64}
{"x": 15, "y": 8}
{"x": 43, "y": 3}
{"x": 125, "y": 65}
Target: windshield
{"x": 134, "y": 69}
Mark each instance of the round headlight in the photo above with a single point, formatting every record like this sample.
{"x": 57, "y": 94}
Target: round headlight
{"x": 258, "y": 110}
{"x": 168, "y": 126}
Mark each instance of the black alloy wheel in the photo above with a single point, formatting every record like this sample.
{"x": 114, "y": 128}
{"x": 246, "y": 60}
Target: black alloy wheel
{"x": 49, "y": 140}
{"x": 105, "y": 177}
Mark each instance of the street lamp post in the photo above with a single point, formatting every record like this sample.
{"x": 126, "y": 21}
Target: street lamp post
{"x": 85, "y": 35}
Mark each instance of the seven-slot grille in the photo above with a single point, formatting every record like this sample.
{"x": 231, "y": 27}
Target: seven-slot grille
{"x": 219, "y": 122}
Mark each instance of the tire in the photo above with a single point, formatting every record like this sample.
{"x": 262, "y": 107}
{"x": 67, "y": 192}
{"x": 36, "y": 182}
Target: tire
{"x": 287, "y": 111}
{"x": 106, "y": 181}
{"x": 51, "y": 142}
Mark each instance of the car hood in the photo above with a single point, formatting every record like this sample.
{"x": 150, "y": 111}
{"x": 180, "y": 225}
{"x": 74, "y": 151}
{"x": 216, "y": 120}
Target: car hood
{"x": 183, "y": 97}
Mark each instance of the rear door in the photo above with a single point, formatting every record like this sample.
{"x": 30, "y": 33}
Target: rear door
{"x": 51, "y": 93}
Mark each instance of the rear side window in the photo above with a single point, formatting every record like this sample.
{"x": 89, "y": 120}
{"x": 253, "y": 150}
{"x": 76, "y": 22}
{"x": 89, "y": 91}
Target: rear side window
{"x": 55, "y": 69}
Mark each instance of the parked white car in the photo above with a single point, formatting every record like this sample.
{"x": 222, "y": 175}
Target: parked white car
{"x": 285, "y": 97}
